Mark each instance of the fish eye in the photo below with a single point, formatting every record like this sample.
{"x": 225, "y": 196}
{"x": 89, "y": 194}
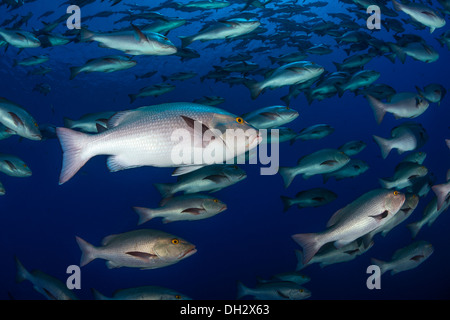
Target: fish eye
{"x": 395, "y": 193}
{"x": 239, "y": 120}
{"x": 235, "y": 167}
{"x": 35, "y": 124}
{"x": 178, "y": 297}
{"x": 301, "y": 290}
{"x": 216, "y": 201}
{"x": 175, "y": 241}
{"x": 287, "y": 108}
{"x": 24, "y": 165}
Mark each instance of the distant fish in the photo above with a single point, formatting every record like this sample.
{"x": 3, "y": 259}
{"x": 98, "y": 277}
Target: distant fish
{"x": 287, "y": 75}
{"x": 50, "y": 287}
{"x": 319, "y": 162}
{"x": 183, "y": 208}
{"x": 142, "y": 293}
{"x": 315, "y": 197}
{"x": 353, "y": 168}
{"x": 282, "y": 290}
{"x": 430, "y": 214}
{"x": 416, "y": 157}
{"x": 14, "y": 166}
{"x": 144, "y": 249}
{"x": 352, "y": 148}
{"x": 315, "y": 132}
{"x": 2, "y": 189}
{"x": 104, "y": 64}
{"x": 405, "y": 137}
{"x": 208, "y": 179}
{"x": 155, "y": 90}
{"x": 368, "y": 212}
{"x": 433, "y": 92}
{"x": 18, "y": 120}
{"x": 406, "y": 258}
{"x": 292, "y": 276}
{"x": 222, "y": 29}
{"x": 404, "y": 176}
{"x": 90, "y": 122}
{"x": 20, "y": 39}
{"x": 31, "y": 61}
{"x": 270, "y": 117}
{"x": 134, "y": 42}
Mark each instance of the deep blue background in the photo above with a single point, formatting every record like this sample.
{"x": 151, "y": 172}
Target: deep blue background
{"x": 40, "y": 219}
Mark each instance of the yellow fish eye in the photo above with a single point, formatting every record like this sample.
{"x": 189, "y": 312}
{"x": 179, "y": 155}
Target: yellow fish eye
{"x": 175, "y": 241}
{"x": 178, "y": 297}
{"x": 301, "y": 290}
{"x": 239, "y": 120}
{"x": 395, "y": 193}
{"x": 215, "y": 200}
{"x": 287, "y": 108}
{"x": 235, "y": 167}
{"x": 24, "y": 165}
{"x": 35, "y": 124}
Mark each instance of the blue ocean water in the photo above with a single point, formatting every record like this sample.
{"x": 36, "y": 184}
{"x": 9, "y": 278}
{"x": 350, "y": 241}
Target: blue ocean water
{"x": 252, "y": 238}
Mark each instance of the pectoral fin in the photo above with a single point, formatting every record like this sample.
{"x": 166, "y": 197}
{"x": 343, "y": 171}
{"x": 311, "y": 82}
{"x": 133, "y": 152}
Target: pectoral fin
{"x": 16, "y": 119}
{"x": 381, "y": 216}
{"x": 417, "y": 258}
{"x": 194, "y": 211}
{"x": 328, "y": 163}
{"x": 141, "y": 255}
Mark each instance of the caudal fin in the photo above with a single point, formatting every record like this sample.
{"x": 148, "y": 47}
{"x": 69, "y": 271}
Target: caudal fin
{"x": 300, "y": 264}
{"x": 86, "y": 35}
{"x": 73, "y": 144}
{"x": 386, "y": 183}
{"x": 414, "y": 228}
{"x": 68, "y": 123}
{"x": 22, "y": 273}
{"x": 441, "y": 191}
{"x": 254, "y": 87}
{"x": 309, "y": 243}
{"x": 398, "y": 51}
{"x": 97, "y": 295}
{"x": 165, "y": 189}
{"x": 242, "y": 290}
{"x": 378, "y": 108}
{"x": 384, "y": 144}
{"x": 74, "y": 71}
{"x": 88, "y": 251}
{"x": 287, "y": 203}
{"x": 144, "y": 214}
{"x": 397, "y": 6}
{"x": 287, "y": 174}
{"x": 185, "y": 41}
{"x": 382, "y": 264}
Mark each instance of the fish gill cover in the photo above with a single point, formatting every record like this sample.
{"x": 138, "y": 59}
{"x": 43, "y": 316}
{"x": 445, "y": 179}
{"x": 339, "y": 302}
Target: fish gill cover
{"x": 356, "y": 101}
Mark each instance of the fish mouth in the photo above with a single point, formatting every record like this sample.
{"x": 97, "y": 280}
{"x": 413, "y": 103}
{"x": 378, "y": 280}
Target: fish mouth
{"x": 188, "y": 253}
{"x": 36, "y": 136}
{"x": 223, "y": 208}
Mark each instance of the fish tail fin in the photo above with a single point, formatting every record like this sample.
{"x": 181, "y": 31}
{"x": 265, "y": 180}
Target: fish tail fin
{"x": 254, "y": 87}
{"x": 386, "y": 183}
{"x": 144, "y": 214}
{"x": 68, "y": 123}
{"x": 337, "y": 65}
{"x": 384, "y": 144}
{"x": 397, "y": 6}
{"x": 287, "y": 203}
{"x": 22, "y": 273}
{"x": 98, "y": 296}
{"x": 73, "y": 144}
{"x": 310, "y": 244}
{"x": 242, "y": 290}
{"x": 185, "y": 41}
{"x": 441, "y": 194}
{"x": 414, "y": 228}
{"x": 286, "y": 99}
{"x": 391, "y": 57}
{"x": 15, "y": 63}
{"x": 382, "y": 264}
{"x": 133, "y": 97}
{"x": 86, "y": 35}
{"x": 287, "y": 174}
{"x": 165, "y": 189}
{"x": 273, "y": 60}
{"x": 74, "y": 71}
{"x": 340, "y": 90}
{"x": 88, "y": 251}
{"x": 378, "y": 108}
{"x": 300, "y": 264}
{"x": 397, "y": 50}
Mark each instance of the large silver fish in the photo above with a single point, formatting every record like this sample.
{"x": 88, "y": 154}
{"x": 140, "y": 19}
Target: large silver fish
{"x": 144, "y": 249}
{"x": 368, "y": 212}
{"x": 156, "y": 135}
